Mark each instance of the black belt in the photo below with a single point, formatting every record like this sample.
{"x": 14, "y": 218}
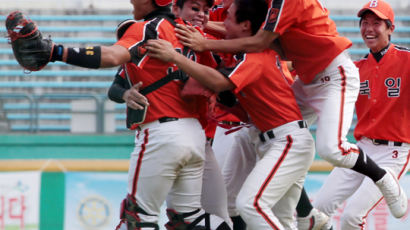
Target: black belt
{"x": 167, "y": 119}
{"x": 231, "y": 123}
{"x": 271, "y": 135}
{"x": 385, "y": 142}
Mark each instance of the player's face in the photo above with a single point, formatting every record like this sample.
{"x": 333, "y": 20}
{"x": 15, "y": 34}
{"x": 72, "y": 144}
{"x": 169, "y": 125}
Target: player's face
{"x": 375, "y": 32}
{"x": 195, "y": 12}
{"x": 233, "y": 28}
{"x": 141, "y": 8}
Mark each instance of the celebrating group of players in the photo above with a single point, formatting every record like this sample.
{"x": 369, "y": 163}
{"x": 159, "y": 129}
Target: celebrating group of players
{"x": 227, "y": 73}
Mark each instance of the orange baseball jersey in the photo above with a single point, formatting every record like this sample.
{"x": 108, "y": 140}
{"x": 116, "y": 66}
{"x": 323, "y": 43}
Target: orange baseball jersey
{"x": 218, "y": 13}
{"x": 165, "y": 101}
{"x": 263, "y": 89}
{"x": 383, "y": 105}
{"x": 307, "y": 35}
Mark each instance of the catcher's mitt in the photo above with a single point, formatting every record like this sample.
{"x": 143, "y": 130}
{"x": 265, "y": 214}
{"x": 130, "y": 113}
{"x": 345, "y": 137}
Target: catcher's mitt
{"x": 30, "y": 49}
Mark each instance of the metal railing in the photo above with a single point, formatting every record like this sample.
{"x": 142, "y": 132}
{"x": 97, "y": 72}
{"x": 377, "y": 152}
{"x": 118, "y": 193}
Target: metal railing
{"x": 35, "y": 109}
{"x": 30, "y": 108}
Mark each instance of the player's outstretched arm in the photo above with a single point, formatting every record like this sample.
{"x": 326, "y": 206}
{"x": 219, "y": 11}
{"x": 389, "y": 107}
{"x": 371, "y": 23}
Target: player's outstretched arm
{"x": 109, "y": 56}
{"x": 33, "y": 52}
{"x": 207, "y": 76}
{"x": 190, "y": 37}
{"x": 93, "y": 57}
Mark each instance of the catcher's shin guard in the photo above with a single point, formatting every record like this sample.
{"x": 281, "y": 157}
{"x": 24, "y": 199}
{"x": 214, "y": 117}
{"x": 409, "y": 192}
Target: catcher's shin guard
{"x": 202, "y": 222}
{"x": 129, "y": 216}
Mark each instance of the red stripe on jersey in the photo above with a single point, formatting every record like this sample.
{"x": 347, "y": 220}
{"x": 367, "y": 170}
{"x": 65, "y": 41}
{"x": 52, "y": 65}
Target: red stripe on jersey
{"x": 342, "y": 102}
{"x": 139, "y": 162}
{"x": 268, "y": 179}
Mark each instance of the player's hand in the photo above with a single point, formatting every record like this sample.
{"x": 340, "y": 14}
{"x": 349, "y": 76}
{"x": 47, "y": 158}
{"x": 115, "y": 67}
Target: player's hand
{"x": 161, "y": 49}
{"x": 134, "y": 99}
{"x": 191, "y": 37}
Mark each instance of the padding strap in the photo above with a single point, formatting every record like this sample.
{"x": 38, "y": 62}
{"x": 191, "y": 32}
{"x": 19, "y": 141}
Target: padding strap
{"x": 175, "y": 75}
{"x": 177, "y": 220}
{"x": 123, "y": 26}
{"x": 128, "y": 213}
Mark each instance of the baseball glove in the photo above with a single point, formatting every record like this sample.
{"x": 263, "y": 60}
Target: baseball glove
{"x": 30, "y": 49}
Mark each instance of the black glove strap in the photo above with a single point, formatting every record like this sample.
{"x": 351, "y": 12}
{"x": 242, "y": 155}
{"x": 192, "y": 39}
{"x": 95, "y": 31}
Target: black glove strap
{"x": 57, "y": 54}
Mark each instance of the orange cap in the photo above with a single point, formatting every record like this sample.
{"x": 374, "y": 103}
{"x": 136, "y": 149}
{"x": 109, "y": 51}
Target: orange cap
{"x": 380, "y": 8}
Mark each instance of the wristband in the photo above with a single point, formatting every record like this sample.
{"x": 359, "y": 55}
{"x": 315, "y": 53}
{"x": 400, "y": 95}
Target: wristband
{"x": 89, "y": 57}
{"x": 57, "y": 54}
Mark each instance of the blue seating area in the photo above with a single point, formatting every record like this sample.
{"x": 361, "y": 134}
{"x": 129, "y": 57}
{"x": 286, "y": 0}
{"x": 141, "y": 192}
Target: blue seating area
{"x": 65, "y": 73}
{"x": 76, "y": 18}
{"x": 54, "y": 106}
{"x": 78, "y": 40}
{"x": 57, "y": 78}
{"x": 56, "y": 85}
{"x": 345, "y": 29}
{"x": 58, "y": 113}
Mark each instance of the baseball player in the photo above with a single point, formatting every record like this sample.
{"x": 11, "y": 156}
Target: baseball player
{"x": 231, "y": 143}
{"x": 214, "y": 194}
{"x": 279, "y": 136}
{"x": 189, "y": 10}
{"x": 384, "y": 94}
{"x": 327, "y": 86}
{"x": 226, "y": 121}
{"x": 168, "y": 158}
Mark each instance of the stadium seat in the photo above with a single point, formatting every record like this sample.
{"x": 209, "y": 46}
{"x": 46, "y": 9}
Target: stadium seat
{"x": 80, "y": 30}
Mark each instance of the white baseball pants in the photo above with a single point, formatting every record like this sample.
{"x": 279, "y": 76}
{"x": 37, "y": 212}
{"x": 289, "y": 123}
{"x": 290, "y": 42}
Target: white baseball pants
{"x": 237, "y": 157}
{"x": 214, "y": 195}
{"x": 330, "y": 98}
{"x": 269, "y": 195}
{"x": 168, "y": 160}
{"x": 361, "y": 193}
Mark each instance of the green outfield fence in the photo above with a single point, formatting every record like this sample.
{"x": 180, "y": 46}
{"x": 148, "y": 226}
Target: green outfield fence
{"x": 72, "y": 152}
